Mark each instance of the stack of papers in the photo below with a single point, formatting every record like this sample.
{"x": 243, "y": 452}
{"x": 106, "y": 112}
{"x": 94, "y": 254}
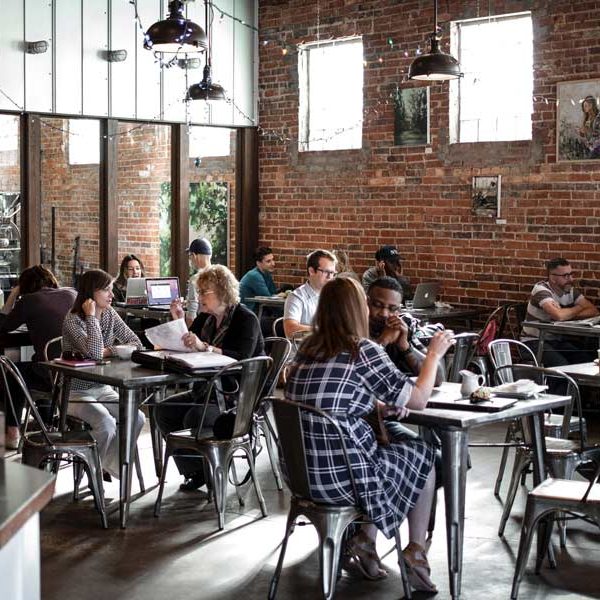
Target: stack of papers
{"x": 522, "y": 388}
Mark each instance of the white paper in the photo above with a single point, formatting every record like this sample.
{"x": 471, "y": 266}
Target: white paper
{"x": 167, "y": 336}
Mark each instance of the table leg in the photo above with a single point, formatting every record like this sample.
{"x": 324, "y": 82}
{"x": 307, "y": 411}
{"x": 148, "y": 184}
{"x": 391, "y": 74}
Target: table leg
{"x": 260, "y": 311}
{"x": 157, "y": 440}
{"x": 65, "y": 390}
{"x": 454, "y": 466}
{"x": 127, "y": 419}
{"x": 540, "y": 350}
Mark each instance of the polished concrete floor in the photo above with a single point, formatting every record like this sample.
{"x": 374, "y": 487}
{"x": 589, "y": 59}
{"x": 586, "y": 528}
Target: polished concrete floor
{"x": 182, "y": 555}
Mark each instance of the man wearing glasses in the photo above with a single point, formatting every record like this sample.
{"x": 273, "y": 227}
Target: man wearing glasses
{"x": 557, "y": 300}
{"x": 301, "y": 304}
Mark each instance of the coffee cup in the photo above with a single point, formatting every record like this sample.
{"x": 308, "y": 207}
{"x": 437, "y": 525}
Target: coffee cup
{"x": 124, "y": 352}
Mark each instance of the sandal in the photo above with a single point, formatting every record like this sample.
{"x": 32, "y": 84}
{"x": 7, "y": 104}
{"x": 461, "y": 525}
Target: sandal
{"x": 362, "y": 551}
{"x": 418, "y": 569}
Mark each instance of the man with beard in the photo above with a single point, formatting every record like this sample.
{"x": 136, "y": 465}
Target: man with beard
{"x": 388, "y": 264}
{"x": 557, "y": 300}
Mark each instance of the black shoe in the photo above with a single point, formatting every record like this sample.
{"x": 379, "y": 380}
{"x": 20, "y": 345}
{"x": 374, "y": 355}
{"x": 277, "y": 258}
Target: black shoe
{"x": 193, "y": 482}
{"x": 106, "y": 476}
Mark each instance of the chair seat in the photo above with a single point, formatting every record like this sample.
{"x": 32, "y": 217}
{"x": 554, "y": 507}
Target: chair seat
{"x": 187, "y": 438}
{"x": 334, "y": 508}
{"x": 553, "y": 425}
{"x": 565, "y": 490}
{"x": 556, "y": 446}
{"x": 68, "y": 438}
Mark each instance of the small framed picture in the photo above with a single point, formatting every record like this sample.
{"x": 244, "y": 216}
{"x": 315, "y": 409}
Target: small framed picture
{"x": 578, "y": 120}
{"x": 411, "y": 117}
{"x": 486, "y": 196}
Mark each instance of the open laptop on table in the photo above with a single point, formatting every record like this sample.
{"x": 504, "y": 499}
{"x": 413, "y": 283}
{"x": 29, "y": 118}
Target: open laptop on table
{"x": 161, "y": 291}
{"x": 135, "y": 294}
{"x": 426, "y": 294}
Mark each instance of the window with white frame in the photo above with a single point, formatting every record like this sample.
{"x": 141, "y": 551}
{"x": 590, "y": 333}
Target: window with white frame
{"x": 84, "y": 141}
{"x": 494, "y": 100}
{"x": 331, "y": 95}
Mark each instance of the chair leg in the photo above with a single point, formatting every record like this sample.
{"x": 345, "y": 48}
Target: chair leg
{"x": 402, "y": 565}
{"x": 163, "y": 476}
{"x": 237, "y": 484}
{"x": 259, "y": 496}
{"x": 77, "y": 476}
{"x": 272, "y": 456}
{"x": 431, "y": 524}
{"x": 96, "y": 484}
{"x": 138, "y": 470}
{"x": 289, "y": 529}
{"x": 522, "y": 461}
{"x": 507, "y": 440}
{"x": 544, "y": 545}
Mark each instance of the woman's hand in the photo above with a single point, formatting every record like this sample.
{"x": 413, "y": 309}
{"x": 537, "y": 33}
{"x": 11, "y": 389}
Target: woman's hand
{"x": 89, "y": 307}
{"x": 176, "y": 308}
{"x": 440, "y": 342}
{"x": 400, "y": 412}
{"x": 193, "y": 342}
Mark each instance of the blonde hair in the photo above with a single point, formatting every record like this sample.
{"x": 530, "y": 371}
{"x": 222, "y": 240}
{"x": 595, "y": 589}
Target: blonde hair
{"x": 222, "y": 281}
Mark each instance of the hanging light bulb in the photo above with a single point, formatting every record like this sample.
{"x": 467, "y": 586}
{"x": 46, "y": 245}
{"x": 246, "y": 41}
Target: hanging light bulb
{"x": 434, "y": 66}
{"x": 206, "y": 89}
{"x": 175, "y": 33}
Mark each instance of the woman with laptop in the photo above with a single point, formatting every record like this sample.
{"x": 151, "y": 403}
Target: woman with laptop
{"x": 338, "y": 369}
{"x": 223, "y": 325}
{"x": 131, "y": 267}
{"x": 92, "y": 330}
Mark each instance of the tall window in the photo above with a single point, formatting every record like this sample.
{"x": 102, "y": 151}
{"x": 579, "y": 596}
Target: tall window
{"x": 331, "y": 95}
{"x": 493, "y": 102}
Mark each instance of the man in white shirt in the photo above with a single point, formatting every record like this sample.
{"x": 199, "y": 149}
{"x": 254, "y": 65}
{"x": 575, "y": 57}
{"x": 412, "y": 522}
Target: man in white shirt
{"x": 200, "y": 251}
{"x": 301, "y": 304}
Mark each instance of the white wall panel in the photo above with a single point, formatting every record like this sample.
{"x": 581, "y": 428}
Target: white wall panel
{"x": 174, "y": 92}
{"x": 122, "y": 75}
{"x": 223, "y": 56}
{"x": 148, "y": 100}
{"x": 68, "y": 64}
{"x": 244, "y": 63}
{"x": 38, "y": 67}
{"x": 95, "y": 65}
{"x": 12, "y": 58}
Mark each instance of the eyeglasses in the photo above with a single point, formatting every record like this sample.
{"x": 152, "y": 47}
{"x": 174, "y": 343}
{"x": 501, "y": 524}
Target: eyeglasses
{"x": 568, "y": 275}
{"x": 381, "y": 306}
{"x": 328, "y": 274}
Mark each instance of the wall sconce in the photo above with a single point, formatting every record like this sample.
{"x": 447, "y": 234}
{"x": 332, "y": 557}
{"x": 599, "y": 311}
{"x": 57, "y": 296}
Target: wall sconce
{"x": 113, "y": 56}
{"x": 38, "y": 47}
{"x": 189, "y": 63}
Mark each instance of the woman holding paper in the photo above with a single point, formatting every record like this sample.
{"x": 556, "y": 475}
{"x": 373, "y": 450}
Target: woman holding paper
{"x": 224, "y": 326}
{"x": 93, "y": 329}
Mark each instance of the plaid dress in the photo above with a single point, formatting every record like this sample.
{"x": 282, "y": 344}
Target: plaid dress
{"x": 390, "y": 478}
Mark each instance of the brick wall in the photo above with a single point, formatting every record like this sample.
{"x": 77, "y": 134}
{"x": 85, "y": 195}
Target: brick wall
{"x": 421, "y": 200}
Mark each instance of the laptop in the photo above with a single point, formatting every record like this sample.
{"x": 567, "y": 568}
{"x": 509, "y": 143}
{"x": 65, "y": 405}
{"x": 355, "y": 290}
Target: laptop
{"x": 426, "y": 294}
{"x": 135, "y": 294}
{"x": 161, "y": 291}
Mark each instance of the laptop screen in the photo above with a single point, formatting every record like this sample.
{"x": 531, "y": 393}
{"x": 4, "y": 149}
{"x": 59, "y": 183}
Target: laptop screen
{"x": 162, "y": 290}
{"x": 136, "y": 288}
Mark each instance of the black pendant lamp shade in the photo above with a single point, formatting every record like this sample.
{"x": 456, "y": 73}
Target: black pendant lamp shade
{"x": 435, "y": 66}
{"x": 206, "y": 89}
{"x": 175, "y": 33}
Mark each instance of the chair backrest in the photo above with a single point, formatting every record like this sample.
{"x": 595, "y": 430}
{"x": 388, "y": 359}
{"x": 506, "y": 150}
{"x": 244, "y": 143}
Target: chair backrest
{"x": 10, "y": 370}
{"x": 502, "y": 351}
{"x": 53, "y": 348}
{"x": 288, "y": 417}
{"x": 491, "y": 329}
{"x": 298, "y": 337}
{"x": 251, "y": 374}
{"x": 279, "y": 349}
{"x": 464, "y": 349}
{"x": 278, "y": 330}
{"x": 542, "y": 375}
{"x": 515, "y": 314}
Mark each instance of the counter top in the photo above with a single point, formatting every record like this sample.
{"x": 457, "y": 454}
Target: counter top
{"x": 24, "y": 491}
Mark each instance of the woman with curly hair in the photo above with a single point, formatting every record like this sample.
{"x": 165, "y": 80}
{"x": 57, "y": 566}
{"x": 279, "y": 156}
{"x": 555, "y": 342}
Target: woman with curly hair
{"x": 223, "y": 326}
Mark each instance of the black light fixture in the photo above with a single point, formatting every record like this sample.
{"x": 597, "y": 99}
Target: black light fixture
{"x": 206, "y": 89}
{"x": 435, "y": 66}
{"x": 175, "y": 33}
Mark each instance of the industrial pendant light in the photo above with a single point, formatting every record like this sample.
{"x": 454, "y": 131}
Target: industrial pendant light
{"x": 175, "y": 33}
{"x": 435, "y": 66}
{"x": 206, "y": 89}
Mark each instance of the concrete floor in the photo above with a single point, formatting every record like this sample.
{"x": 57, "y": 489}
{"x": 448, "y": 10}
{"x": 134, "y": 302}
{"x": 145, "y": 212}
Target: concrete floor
{"x": 183, "y": 555}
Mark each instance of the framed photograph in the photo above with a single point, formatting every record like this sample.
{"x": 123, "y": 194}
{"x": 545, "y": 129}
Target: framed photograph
{"x": 487, "y": 195}
{"x": 578, "y": 120}
{"x": 411, "y": 117}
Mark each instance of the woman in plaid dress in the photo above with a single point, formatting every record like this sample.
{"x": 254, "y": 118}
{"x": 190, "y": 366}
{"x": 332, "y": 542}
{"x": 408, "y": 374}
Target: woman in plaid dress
{"x": 339, "y": 370}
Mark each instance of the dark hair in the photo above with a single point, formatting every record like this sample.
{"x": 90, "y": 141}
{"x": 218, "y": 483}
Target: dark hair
{"x": 122, "y": 277}
{"x": 385, "y": 283}
{"x": 312, "y": 260}
{"x": 556, "y": 262}
{"x": 90, "y": 282}
{"x": 33, "y": 279}
{"x": 261, "y": 252}
{"x": 340, "y": 321}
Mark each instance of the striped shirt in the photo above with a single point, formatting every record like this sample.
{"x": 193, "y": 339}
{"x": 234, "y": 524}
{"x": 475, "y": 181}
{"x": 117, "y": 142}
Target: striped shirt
{"x": 542, "y": 293}
{"x": 89, "y": 336}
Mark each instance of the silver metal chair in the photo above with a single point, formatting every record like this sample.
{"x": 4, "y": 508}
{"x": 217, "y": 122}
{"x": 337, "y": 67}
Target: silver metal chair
{"x": 218, "y": 453}
{"x": 553, "y": 496}
{"x": 278, "y": 327}
{"x": 46, "y": 446}
{"x": 330, "y": 520}
{"x": 463, "y": 353}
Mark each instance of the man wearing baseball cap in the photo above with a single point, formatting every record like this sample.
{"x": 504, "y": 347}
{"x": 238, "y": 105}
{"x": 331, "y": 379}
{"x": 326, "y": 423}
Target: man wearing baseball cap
{"x": 388, "y": 264}
{"x": 200, "y": 251}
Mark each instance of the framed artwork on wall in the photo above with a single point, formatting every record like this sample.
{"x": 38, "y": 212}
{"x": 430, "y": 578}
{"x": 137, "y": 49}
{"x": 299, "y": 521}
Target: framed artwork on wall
{"x": 578, "y": 120}
{"x": 411, "y": 117}
{"x": 486, "y": 196}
